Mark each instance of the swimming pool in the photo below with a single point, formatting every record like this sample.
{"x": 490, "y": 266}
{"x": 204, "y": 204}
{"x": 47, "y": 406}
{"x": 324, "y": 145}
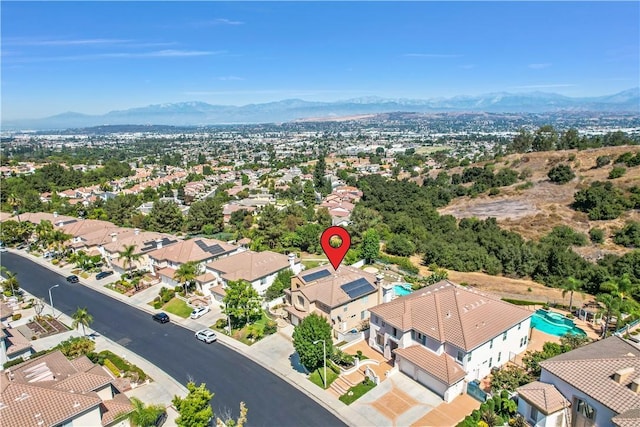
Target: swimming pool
{"x": 554, "y": 324}
{"x": 402, "y": 289}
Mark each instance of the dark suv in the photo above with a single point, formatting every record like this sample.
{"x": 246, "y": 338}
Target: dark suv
{"x": 73, "y": 279}
{"x": 104, "y": 274}
{"x": 161, "y": 317}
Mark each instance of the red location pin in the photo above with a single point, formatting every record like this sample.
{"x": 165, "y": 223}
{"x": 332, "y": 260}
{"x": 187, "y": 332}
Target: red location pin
{"x": 335, "y": 255}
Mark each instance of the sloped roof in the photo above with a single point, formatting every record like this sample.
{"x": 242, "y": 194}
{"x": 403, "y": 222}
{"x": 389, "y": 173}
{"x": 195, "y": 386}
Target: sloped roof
{"x": 113, "y": 408}
{"x": 452, "y": 313}
{"x": 28, "y": 404}
{"x": 600, "y": 359}
{"x": 545, "y": 397}
{"x": 249, "y": 265}
{"x": 328, "y": 288}
{"x": 442, "y": 366}
{"x": 198, "y": 249}
{"x": 630, "y": 418}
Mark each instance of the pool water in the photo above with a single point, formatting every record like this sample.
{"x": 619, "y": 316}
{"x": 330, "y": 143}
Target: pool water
{"x": 554, "y": 324}
{"x": 402, "y": 289}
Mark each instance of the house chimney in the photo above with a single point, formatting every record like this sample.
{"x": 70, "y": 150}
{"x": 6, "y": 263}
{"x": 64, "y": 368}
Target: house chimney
{"x": 385, "y": 293}
{"x": 136, "y": 231}
{"x": 55, "y": 214}
{"x": 158, "y": 243}
{"x": 621, "y": 375}
{"x": 292, "y": 261}
{"x": 114, "y": 237}
{"x": 635, "y": 385}
{"x": 379, "y": 278}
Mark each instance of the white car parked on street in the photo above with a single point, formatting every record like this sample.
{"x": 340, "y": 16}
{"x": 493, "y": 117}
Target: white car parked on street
{"x": 199, "y": 311}
{"x": 206, "y": 335}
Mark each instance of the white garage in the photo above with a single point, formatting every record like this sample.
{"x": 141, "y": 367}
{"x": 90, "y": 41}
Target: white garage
{"x": 439, "y": 373}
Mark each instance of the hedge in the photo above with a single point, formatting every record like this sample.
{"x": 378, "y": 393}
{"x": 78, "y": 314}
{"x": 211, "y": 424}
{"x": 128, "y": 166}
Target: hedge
{"x": 522, "y": 302}
{"x": 114, "y": 370}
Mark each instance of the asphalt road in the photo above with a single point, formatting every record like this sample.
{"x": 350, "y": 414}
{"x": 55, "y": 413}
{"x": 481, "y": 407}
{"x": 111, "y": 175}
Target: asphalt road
{"x": 233, "y": 378}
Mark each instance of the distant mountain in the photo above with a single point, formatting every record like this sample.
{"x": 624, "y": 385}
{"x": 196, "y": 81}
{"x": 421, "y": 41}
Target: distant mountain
{"x": 201, "y": 113}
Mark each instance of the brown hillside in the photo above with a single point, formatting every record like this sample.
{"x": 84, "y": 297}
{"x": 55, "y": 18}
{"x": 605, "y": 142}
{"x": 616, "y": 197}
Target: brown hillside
{"x": 535, "y": 211}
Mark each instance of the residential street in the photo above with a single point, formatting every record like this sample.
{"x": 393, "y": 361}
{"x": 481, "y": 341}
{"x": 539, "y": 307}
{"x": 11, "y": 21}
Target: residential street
{"x": 230, "y": 375}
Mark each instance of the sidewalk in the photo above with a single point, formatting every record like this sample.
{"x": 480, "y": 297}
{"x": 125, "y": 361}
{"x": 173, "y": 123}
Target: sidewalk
{"x": 262, "y": 352}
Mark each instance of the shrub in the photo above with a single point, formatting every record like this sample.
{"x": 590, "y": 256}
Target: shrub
{"x": 270, "y": 327}
{"x": 55, "y": 261}
{"x": 629, "y": 235}
{"x": 157, "y": 304}
{"x": 602, "y": 161}
{"x": 16, "y": 316}
{"x": 561, "y": 174}
{"x": 494, "y": 191}
{"x": 617, "y": 172}
{"x": 114, "y": 370}
{"x": 221, "y": 323}
{"x": 596, "y": 235}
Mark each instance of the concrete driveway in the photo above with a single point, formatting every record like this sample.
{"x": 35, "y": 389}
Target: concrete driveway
{"x": 397, "y": 401}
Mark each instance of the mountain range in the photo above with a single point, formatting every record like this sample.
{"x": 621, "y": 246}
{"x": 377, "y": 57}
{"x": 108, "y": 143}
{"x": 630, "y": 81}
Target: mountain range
{"x": 201, "y": 113}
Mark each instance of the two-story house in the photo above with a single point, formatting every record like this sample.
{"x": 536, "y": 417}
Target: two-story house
{"x": 445, "y": 334}
{"x": 258, "y": 268}
{"x": 52, "y": 391}
{"x": 164, "y": 261}
{"x": 344, "y": 296}
{"x": 144, "y": 243}
{"x": 599, "y": 384}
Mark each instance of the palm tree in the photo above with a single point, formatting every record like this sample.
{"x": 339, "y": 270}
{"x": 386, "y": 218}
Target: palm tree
{"x": 129, "y": 255}
{"x": 612, "y": 305}
{"x": 187, "y": 272}
{"x": 15, "y": 203}
{"x": 142, "y": 415}
{"x": 571, "y": 285}
{"x": 43, "y": 230}
{"x": 57, "y": 239}
{"x": 620, "y": 286}
{"x": 10, "y": 280}
{"x": 81, "y": 317}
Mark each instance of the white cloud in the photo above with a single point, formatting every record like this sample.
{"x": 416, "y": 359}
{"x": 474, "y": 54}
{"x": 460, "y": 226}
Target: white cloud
{"x": 217, "y": 21}
{"x": 230, "y": 78}
{"x": 544, "y": 86}
{"x": 539, "y": 66}
{"x": 63, "y": 42}
{"x": 432, "y": 55}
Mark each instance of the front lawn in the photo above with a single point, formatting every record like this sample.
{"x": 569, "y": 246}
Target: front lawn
{"x": 357, "y": 391}
{"x": 178, "y": 307}
{"x": 252, "y": 333}
{"x": 317, "y": 375}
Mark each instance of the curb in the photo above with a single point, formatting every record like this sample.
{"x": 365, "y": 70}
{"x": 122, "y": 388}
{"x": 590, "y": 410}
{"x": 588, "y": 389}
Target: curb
{"x": 227, "y": 341}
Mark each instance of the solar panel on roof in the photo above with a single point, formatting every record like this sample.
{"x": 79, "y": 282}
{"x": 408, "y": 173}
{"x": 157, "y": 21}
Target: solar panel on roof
{"x": 357, "y": 288}
{"x": 316, "y": 275}
{"x": 215, "y": 249}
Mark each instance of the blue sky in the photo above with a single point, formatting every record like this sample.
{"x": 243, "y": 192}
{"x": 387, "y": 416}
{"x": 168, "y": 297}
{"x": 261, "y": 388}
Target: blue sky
{"x": 101, "y": 56}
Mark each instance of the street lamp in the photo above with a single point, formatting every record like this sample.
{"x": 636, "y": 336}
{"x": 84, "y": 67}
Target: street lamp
{"x": 324, "y": 352}
{"x": 53, "y": 312}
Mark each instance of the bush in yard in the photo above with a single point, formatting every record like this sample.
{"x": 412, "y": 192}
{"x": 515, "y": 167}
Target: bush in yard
{"x": 157, "y": 304}
{"x": 110, "y": 366}
{"x": 221, "y": 323}
{"x": 16, "y": 316}
{"x": 270, "y": 327}
{"x": 75, "y": 347}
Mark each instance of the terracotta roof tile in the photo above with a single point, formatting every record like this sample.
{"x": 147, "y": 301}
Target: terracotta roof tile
{"x": 545, "y": 397}
{"x": 451, "y": 313}
{"x": 114, "y": 408}
{"x": 249, "y": 265}
{"x": 442, "y": 366}
{"x": 191, "y": 250}
{"x": 601, "y": 359}
{"x": 630, "y": 418}
{"x": 83, "y": 382}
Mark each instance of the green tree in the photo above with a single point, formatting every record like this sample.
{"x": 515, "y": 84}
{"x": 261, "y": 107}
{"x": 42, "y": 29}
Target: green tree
{"x": 602, "y": 161}
{"x": 194, "y": 409}
{"x": 561, "y": 174}
{"x": 16, "y": 203}
{"x": 617, "y": 172}
{"x": 509, "y": 378}
{"x": 14, "y": 232}
{"x": 400, "y": 245}
{"x": 322, "y": 185}
{"x": 186, "y": 273}
{"x": 165, "y": 217}
{"x": 596, "y": 235}
{"x": 142, "y": 415}
{"x": 129, "y": 255}
{"x": 545, "y": 139}
{"x": 532, "y": 359}
{"x": 10, "y": 283}
{"x": 308, "y": 195}
{"x": 205, "y": 212}
{"x": 370, "y": 249}
{"x": 612, "y": 308}
{"x": 281, "y": 282}
{"x": 242, "y": 302}
{"x": 629, "y": 235}
{"x": 522, "y": 142}
{"x": 570, "y": 286}
{"x": 311, "y": 329}
{"x": 81, "y": 317}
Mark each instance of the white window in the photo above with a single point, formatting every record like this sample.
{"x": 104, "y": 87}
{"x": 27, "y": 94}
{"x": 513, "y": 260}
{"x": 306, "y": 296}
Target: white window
{"x": 533, "y": 415}
{"x": 363, "y": 314}
{"x": 460, "y": 356}
{"x": 499, "y": 356}
{"x": 469, "y": 357}
{"x": 300, "y": 300}
{"x": 504, "y": 336}
{"x": 490, "y": 361}
{"x": 491, "y": 344}
{"x": 519, "y": 325}
{"x": 365, "y": 299}
{"x": 395, "y": 332}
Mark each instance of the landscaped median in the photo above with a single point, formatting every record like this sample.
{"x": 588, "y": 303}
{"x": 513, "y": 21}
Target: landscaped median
{"x": 357, "y": 391}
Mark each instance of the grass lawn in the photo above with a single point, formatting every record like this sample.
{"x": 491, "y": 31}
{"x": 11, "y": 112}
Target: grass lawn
{"x": 357, "y": 391}
{"x": 178, "y": 307}
{"x": 250, "y": 334}
{"x": 316, "y": 377}
{"x": 311, "y": 264}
